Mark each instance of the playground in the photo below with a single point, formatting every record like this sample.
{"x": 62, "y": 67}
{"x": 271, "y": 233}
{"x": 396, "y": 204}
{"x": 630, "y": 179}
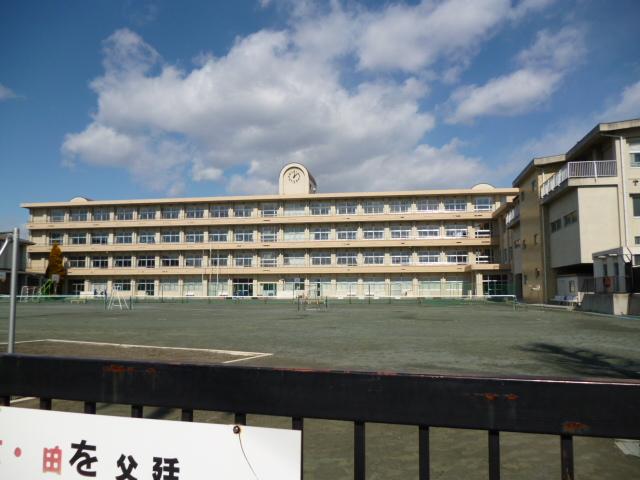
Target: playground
{"x": 485, "y": 338}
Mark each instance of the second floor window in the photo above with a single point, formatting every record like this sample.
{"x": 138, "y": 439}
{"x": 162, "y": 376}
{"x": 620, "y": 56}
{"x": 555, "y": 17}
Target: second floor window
{"x": 400, "y": 258}
{"x": 320, "y": 258}
{"x": 100, "y": 262}
{"x": 147, "y": 237}
{"x": 172, "y": 236}
{"x": 373, "y": 258}
{"x": 399, "y": 206}
{"x": 242, "y": 211}
{"x": 99, "y": 238}
{"x": 124, "y": 214}
{"x": 57, "y": 215}
{"x": 428, "y": 231}
{"x": 243, "y": 260}
{"x": 347, "y": 258}
{"x": 218, "y": 260}
{"x": 56, "y": 238}
{"x": 100, "y": 215}
{"x": 321, "y": 233}
{"x": 77, "y": 262}
{"x": 427, "y": 205}
{"x": 146, "y": 261}
{"x": 77, "y": 238}
{"x": 455, "y": 204}
{"x": 400, "y": 232}
{"x": 373, "y": 233}
{"x": 269, "y": 235}
{"x": 483, "y": 204}
{"x": 78, "y": 216}
{"x": 457, "y": 256}
{"x": 347, "y": 208}
{"x": 373, "y": 207}
{"x": 170, "y": 260}
{"x": 121, "y": 261}
{"x": 195, "y": 212}
{"x": 349, "y": 233}
{"x": 220, "y": 211}
{"x": 193, "y": 261}
{"x": 455, "y": 231}
{"x": 243, "y": 236}
{"x": 320, "y": 209}
{"x": 429, "y": 257}
{"x": 124, "y": 237}
{"x": 147, "y": 213}
{"x": 218, "y": 235}
{"x": 194, "y": 237}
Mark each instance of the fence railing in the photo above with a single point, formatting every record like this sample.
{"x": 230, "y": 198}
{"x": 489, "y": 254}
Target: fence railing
{"x": 592, "y": 169}
{"x": 562, "y": 407}
{"x": 608, "y": 284}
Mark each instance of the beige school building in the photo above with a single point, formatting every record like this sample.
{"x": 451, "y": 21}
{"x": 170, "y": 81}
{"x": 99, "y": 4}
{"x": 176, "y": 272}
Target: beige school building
{"x": 298, "y": 242}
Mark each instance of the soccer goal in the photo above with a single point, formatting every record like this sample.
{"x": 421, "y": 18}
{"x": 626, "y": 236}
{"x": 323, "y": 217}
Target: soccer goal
{"x": 312, "y": 303}
{"x": 118, "y": 300}
{"x": 29, "y": 294}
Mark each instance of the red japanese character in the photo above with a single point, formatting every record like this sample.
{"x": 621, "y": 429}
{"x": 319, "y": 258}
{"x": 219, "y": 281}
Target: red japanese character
{"x": 52, "y": 460}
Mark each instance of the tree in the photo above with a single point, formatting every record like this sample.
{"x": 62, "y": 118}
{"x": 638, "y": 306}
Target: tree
{"x": 56, "y": 266}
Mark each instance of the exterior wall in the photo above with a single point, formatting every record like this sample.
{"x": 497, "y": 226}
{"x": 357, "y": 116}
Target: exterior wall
{"x": 598, "y": 221}
{"x": 565, "y": 243}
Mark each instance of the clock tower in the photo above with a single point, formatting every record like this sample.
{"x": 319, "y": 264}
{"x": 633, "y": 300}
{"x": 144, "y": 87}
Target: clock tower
{"x": 295, "y": 179}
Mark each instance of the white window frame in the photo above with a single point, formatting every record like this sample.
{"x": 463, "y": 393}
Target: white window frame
{"x": 400, "y": 232}
{"x": 170, "y": 260}
{"x": 218, "y": 235}
{"x": 147, "y": 237}
{"x": 124, "y": 238}
{"x": 146, "y": 261}
{"x": 102, "y": 236}
{"x": 321, "y": 234}
{"x": 400, "y": 258}
{"x": 122, "y": 261}
{"x": 170, "y": 213}
{"x": 193, "y": 261}
{"x": 124, "y": 214}
{"x": 320, "y": 209}
{"x": 428, "y": 231}
{"x": 347, "y": 208}
{"x": 194, "y": 236}
{"x": 194, "y": 212}
{"x": 373, "y": 207}
{"x": 347, "y": 259}
{"x": 171, "y": 236}
{"x": 399, "y": 206}
{"x": 455, "y": 205}
{"x": 427, "y": 205}
{"x": 373, "y": 233}
{"x": 243, "y": 236}
{"x": 219, "y": 211}
{"x": 147, "y": 213}
{"x": 347, "y": 233}
{"x": 373, "y": 258}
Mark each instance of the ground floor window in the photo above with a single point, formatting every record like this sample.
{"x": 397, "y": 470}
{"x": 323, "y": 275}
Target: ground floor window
{"x": 218, "y": 287}
{"x": 243, "y": 287}
{"x": 77, "y": 286}
{"x": 99, "y": 287}
{"x": 269, "y": 289}
{"x": 401, "y": 287}
{"x": 375, "y": 287}
{"x": 192, "y": 288}
{"x": 346, "y": 286}
{"x": 294, "y": 286}
{"x": 147, "y": 287}
{"x": 455, "y": 287}
{"x": 122, "y": 285}
{"x": 430, "y": 288}
{"x": 170, "y": 287}
{"x": 495, "y": 285}
{"x": 320, "y": 287}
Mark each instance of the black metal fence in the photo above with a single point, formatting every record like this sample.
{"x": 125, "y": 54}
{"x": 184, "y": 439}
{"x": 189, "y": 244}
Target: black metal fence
{"x": 563, "y": 407}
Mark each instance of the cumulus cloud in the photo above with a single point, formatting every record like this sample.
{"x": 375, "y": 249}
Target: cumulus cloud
{"x": 542, "y": 67}
{"x": 281, "y": 96}
{"x": 6, "y": 93}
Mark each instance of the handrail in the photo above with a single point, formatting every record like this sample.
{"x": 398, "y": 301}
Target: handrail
{"x": 588, "y": 169}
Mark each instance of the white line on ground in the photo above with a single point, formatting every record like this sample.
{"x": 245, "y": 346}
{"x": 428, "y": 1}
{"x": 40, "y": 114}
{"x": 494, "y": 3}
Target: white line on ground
{"x": 126, "y": 345}
{"x": 249, "y": 358}
{"x": 23, "y": 399}
{"x": 27, "y": 341}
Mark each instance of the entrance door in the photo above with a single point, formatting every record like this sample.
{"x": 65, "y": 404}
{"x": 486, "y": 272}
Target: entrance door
{"x": 243, "y": 287}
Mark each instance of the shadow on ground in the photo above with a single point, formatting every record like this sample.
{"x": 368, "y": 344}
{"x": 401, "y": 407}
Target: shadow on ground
{"x": 585, "y": 362}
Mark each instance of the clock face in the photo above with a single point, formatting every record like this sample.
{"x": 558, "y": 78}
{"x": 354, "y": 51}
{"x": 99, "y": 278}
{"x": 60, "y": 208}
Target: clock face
{"x": 294, "y": 175}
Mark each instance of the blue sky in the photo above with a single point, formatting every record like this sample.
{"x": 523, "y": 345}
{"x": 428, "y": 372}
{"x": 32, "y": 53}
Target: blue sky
{"x": 132, "y": 99}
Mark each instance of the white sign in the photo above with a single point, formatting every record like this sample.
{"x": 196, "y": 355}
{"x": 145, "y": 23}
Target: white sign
{"x": 40, "y": 444}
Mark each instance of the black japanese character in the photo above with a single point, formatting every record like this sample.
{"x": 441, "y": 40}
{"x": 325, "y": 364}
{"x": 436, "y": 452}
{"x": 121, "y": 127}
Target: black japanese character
{"x": 84, "y": 465}
{"x": 126, "y": 469}
{"x": 170, "y": 469}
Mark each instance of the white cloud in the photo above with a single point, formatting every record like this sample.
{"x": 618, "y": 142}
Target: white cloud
{"x": 6, "y": 93}
{"x": 291, "y": 95}
{"x": 543, "y": 66}
{"x": 626, "y": 107}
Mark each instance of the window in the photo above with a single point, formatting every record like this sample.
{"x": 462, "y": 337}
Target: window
{"x": 100, "y": 215}
{"x": 122, "y": 285}
{"x": 347, "y": 208}
{"x": 56, "y": 238}
{"x": 293, "y": 234}
{"x": 455, "y": 231}
{"x": 373, "y": 207}
{"x": 293, "y": 209}
{"x": 534, "y": 185}
{"x": 170, "y": 213}
{"x": 124, "y": 214}
{"x": 243, "y": 235}
{"x": 218, "y": 235}
{"x": 120, "y": 261}
{"x": 100, "y": 262}
{"x": 320, "y": 209}
{"x": 636, "y": 205}
{"x": 428, "y": 256}
{"x": 455, "y": 205}
{"x": 637, "y": 240}
{"x": 634, "y": 152}
{"x": 373, "y": 258}
{"x": 293, "y": 259}
{"x": 570, "y": 218}
{"x": 535, "y": 238}
{"x": 78, "y": 216}
{"x": 556, "y": 225}
{"x": 76, "y": 262}
{"x": 483, "y": 204}
{"x": 196, "y": 236}
{"x": 147, "y": 237}
{"x": 427, "y": 205}
{"x": 193, "y": 261}
{"x": 347, "y": 259}
{"x": 57, "y": 215}
{"x": 347, "y": 233}
{"x": 321, "y": 233}
{"x": 373, "y": 233}
{"x": 242, "y": 211}
{"x": 195, "y": 212}
{"x": 146, "y": 286}
{"x": 269, "y": 234}
{"x": 243, "y": 259}
{"x": 171, "y": 236}
{"x": 320, "y": 258}
{"x": 78, "y": 238}
{"x": 400, "y": 232}
{"x": 99, "y": 238}
{"x": 170, "y": 260}
{"x": 269, "y": 210}
{"x": 147, "y": 213}
{"x": 400, "y": 258}
{"x": 399, "y": 206}
{"x": 218, "y": 260}
{"x": 268, "y": 259}
{"x": 457, "y": 256}
{"x": 146, "y": 261}
{"x": 124, "y": 237}
{"x": 220, "y": 211}
{"x": 428, "y": 231}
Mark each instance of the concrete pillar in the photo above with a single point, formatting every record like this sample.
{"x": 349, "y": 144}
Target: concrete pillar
{"x": 478, "y": 284}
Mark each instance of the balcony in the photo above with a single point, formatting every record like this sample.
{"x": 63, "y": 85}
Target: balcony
{"x": 512, "y": 217}
{"x": 594, "y": 169}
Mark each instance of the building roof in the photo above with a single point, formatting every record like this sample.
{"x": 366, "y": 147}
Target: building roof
{"x": 595, "y": 134}
{"x": 537, "y": 162}
{"x": 265, "y": 198}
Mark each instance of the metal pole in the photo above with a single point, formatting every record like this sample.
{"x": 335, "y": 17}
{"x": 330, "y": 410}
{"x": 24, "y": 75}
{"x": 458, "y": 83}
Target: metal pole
{"x": 14, "y": 288}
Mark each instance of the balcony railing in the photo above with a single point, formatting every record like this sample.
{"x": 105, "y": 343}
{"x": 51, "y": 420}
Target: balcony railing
{"x": 512, "y": 215}
{"x": 593, "y": 169}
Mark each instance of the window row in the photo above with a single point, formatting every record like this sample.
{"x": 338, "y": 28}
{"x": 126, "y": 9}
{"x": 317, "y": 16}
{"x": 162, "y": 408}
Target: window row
{"x": 273, "y": 259}
{"x": 272, "y": 234}
{"x": 370, "y": 207}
